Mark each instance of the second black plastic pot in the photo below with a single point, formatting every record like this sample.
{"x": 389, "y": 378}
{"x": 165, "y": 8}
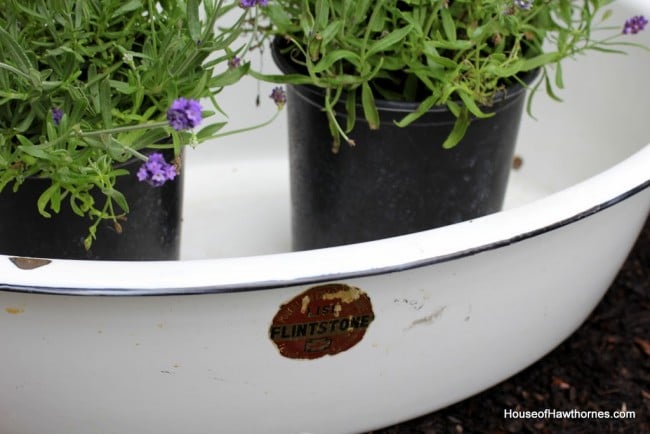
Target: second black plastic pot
{"x": 395, "y": 180}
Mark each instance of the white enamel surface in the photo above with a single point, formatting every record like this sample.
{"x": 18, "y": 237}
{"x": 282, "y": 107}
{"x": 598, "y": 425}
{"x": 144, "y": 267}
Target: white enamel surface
{"x": 203, "y": 363}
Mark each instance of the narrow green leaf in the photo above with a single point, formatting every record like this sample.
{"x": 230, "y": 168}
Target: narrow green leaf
{"x": 559, "y": 81}
{"x": 335, "y": 56}
{"x": 549, "y": 89}
{"x": 78, "y": 14}
{"x": 24, "y": 125}
{"x": 278, "y": 15}
{"x": 531, "y": 96}
{"x": 508, "y": 70}
{"x": 389, "y": 40}
{"x": 88, "y": 241}
{"x": 193, "y": 20}
{"x": 471, "y": 105}
{"x": 28, "y": 148}
{"x": 51, "y": 130}
{"x": 55, "y": 200}
{"x": 228, "y": 77}
{"x": 105, "y": 105}
{"x": 613, "y": 50}
{"x": 75, "y": 207}
{"x": 351, "y": 110}
{"x": 458, "y": 44}
{"x": 424, "y": 106}
{"x": 282, "y": 78}
{"x": 369, "y": 108}
{"x": 118, "y": 197}
{"x": 151, "y": 137}
{"x": 448, "y": 24}
{"x": 208, "y": 131}
{"x": 44, "y": 199}
{"x": 540, "y": 60}
{"x": 123, "y": 87}
{"x": 330, "y": 32}
{"x": 360, "y": 10}
{"x": 127, "y": 7}
{"x": 458, "y": 132}
{"x": 607, "y": 14}
{"x": 433, "y": 56}
{"x": 377, "y": 18}
{"x": 321, "y": 17}
{"x": 16, "y": 71}
{"x": 14, "y": 52}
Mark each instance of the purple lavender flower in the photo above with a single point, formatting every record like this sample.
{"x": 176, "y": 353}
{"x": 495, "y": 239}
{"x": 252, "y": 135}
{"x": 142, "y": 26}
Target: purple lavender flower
{"x": 156, "y": 171}
{"x": 246, "y": 4}
{"x": 634, "y": 25}
{"x": 234, "y": 63}
{"x": 524, "y": 4}
{"x": 57, "y": 115}
{"x": 278, "y": 96}
{"x": 184, "y": 114}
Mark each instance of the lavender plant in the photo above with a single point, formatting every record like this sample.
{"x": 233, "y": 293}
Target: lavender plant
{"x": 457, "y": 53}
{"x": 86, "y": 85}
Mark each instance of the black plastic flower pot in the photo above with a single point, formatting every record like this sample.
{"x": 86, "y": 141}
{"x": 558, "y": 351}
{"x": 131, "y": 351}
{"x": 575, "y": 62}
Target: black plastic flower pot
{"x": 150, "y": 231}
{"x": 395, "y": 181}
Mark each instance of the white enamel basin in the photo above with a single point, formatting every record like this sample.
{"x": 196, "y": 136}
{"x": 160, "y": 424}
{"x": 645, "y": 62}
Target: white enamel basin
{"x": 185, "y": 346}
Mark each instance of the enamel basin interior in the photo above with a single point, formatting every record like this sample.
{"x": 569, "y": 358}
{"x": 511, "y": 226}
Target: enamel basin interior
{"x": 457, "y": 309}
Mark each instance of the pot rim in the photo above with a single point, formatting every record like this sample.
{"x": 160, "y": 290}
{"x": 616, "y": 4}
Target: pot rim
{"x": 266, "y": 272}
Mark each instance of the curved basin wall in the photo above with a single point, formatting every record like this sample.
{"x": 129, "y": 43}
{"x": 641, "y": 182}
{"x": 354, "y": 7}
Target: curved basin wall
{"x": 455, "y": 310}
{"x": 205, "y": 363}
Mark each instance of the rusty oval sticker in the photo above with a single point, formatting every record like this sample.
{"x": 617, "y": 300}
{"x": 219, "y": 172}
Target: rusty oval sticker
{"x": 323, "y": 320}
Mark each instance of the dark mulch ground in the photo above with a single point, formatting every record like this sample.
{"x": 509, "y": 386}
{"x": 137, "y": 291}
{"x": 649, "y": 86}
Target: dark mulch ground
{"x": 604, "y": 365}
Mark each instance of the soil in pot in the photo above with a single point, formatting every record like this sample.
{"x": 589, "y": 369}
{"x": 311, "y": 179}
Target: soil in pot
{"x": 150, "y": 231}
{"x": 395, "y": 180}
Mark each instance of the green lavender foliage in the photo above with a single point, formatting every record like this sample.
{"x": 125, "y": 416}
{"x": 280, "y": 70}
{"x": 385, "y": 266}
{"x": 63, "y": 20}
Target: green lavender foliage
{"x": 109, "y": 65}
{"x": 457, "y": 53}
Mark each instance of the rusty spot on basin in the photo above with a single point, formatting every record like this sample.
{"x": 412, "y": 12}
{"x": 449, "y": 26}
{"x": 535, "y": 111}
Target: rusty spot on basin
{"x": 28, "y": 263}
{"x": 14, "y": 310}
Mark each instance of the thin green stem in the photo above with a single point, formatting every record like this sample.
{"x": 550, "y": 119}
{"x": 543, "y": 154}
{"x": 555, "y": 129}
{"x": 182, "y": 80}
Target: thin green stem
{"x": 135, "y": 153}
{"x": 123, "y": 129}
{"x": 250, "y": 128}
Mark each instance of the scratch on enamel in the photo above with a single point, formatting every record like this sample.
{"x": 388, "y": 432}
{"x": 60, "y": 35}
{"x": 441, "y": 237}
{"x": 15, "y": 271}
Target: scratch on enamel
{"x": 429, "y": 319}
